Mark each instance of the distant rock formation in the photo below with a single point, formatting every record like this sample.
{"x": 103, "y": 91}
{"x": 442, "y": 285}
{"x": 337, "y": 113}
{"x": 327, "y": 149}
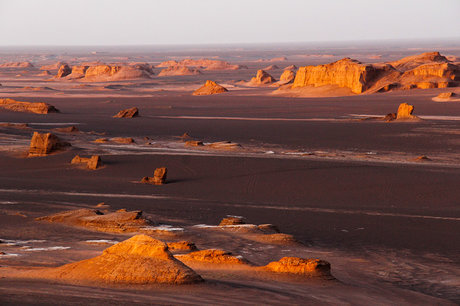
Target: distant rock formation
{"x": 300, "y": 266}
{"x": 119, "y": 140}
{"x": 44, "y": 144}
{"x": 44, "y": 73}
{"x": 104, "y": 73}
{"x": 232, "y": 220}
{"x": 17, "y": 65}
{"x": 287, "y": 77}
{"x": 262, "y": 78}
{"x": 209, "y": 88}
{"x": 275, "y": 59}
{"x": 427, "y": 70}
{"x": 64, "y": 71}
{"x": 94, "y": 162}
{"x": 291, "y": 67}
{"x": 27, "y": 107}
{"x": 120, "y": 221}
{"x": 159, "y": 177}
{"x": 127, "y": 113}
{"x": 212, "y": 257}
{"x": 271, "y": 67}
{"x": 54, "y": 66}
{"x": 208, "y": 64}
{"x": 181, "y": 246}
{"x": 67, "y": 129}
{"x": 138, "y": 260}
{"x": 405, "y": 112}
{"x": 446, "y": 96}
{"x": 178, "y": 70}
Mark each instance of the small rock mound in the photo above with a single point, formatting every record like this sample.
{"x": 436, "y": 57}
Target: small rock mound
{"x": 232, "y": 220}
{"x": 159, "y": 177}
{"x": 209, "y": 88}
{"x": 262, "y": 77}
{"x": 181, "y": 246}
{"x": 300, "y": 266}
{"x": 27, "y": 107}
{"x": 213, "y": 257}
{"x": 119, "y": 221}
{"x": 94, "y": 162}
{"x": 67, "y": 129}
{"x": 44, "y": 144}
{"x": 127, "y": 113}
{"x": 446, "y": 95}
{"x": 405, "y": 112}
{"x": 138, "y": 260}
{"x": 119, "y": 140}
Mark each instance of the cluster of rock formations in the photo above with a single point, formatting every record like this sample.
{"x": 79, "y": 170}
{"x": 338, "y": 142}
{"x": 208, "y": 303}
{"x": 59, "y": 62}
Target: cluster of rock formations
{"x": 127, "y": 113}
{"x": 101, "y": 73}
{"x": 17, "y": 65}
{"x": 159, "y": 177}
{"x": 262, "y": 78}
{"x": 44, "y": 144}
{"x": 205, "y": 63}
{"x": 27, "y": 107}
{"x": 94, "y": 162}
{"x": 427, "y": 70}
{"x": 178, "y": 70}
{"x": 209, "y": 88}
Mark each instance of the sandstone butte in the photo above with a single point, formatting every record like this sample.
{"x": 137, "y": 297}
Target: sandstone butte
{"x": 159, "y": 177}
{"x": 120, "y": 221}
{"x": 127, "y": 113}
{"x": 262, "y": 78}
{"x": 27, "y": 107}
{"x": 17, "y": 65}
{"x": 94, "y": 162}
{"x": 300, "y": 266}
{"x": 102, "y": 73}
{"x": 213, "y": 257}
{"x": 44, "y": 144}
{"x": 138, "y": 260}
{"x": 427, "y": 70}
{"x": 178, "y": 70}
{"x": 209, "y": 88}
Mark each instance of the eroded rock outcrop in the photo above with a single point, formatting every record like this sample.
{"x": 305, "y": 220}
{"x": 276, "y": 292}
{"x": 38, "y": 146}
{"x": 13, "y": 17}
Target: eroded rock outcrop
{"x": 127, "y": 113}
{"x": 208, "y": 64}
{"x": 94, "y": 162}
{"x": 271, "y": 67}
{"x": 262, "y": 78}
{"x": 17, "y": 65}
{"x": 159, "y": 177}
{"x": 300, "y": 266}
{"x": 181, "y": 246}
{"x": 138, "y": 260}
{"x": 27, "y": 107}
{"x": 63, "y": 71}
{"x": 97, "y": 72}
{"x": 212, "y": 256}
{"x": 446, "y": 96}
{"x": 119, "y": 221}
{"x": 44, "y": 144}
{"x": 405, "y": 112}
{"x": 287, "y": 77}
{"x": 209, "y": 88}
{"x": 178, "y": 70}
{"x": 232, "y": 220}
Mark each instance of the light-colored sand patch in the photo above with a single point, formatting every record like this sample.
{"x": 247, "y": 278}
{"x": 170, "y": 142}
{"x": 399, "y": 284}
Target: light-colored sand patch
{"x": 53, "y": 248}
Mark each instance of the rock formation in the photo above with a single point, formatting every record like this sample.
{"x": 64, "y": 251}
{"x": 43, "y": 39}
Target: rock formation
{"x": 405, "y": 112}
{"x": 68, "y": 129}
{"x": 287, "y": 77}
{"x": 138, "y": 260}
{"x": 120, "y": 221}
{"x": 178, "y": 70}
{"x": 204, "y": 62}
{"x": 64, "y": 71}
{"x": 181, "y": 246}
{"x": 209, "y": 88}
{"x": 118, "y": 140}
{"x": 413, "y": 61}
{"x": 54, "y": 66}
{"x": 27, "y": 107}
{"x": 94, "y": 162}
{"x": 194, "y": 143}
{"x": 127, "y": 113}
{"x": 159, "y": 177}
{"x": 300, "y": 266}
{"x": 44, "y": 73}
{"x": 291, "y": 67}
{"x": 17, "y": 65}
{"x": 44, "y": 144}
{"x": 232, "y": 220}
{"x": 262, "y": 78}
{"x": 212, "y": 257}
{"x": 446, "y": 96}
{"x": 271, "y": 67}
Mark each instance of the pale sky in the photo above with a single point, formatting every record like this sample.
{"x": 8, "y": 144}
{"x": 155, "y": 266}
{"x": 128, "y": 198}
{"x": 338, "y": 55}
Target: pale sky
{"x": 142, "y": 22}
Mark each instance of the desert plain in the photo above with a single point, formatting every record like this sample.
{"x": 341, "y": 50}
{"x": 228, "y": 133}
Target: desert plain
{"x": 318, "y": 164}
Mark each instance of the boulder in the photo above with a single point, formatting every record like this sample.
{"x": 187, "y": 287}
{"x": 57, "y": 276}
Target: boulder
{"x": 178, "y": 70}
{"x": 127, "y": 113}
{"x": 209, "y": 88}
{"x": 405, "y": 112}
{"x": 94, "y": 162}
{"x": 44, "y": 144}
{"x": 138, "y": 260}
{"x": 159, "y": 177}
{"x": 212, "y": 257}
{"x": 63, "y": 71}
{"x": 262, "y": 78}
{"x": 27, "y": 107}
{"x": 300, "y": 266}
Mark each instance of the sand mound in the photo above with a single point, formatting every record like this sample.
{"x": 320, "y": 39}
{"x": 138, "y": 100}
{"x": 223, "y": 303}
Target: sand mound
{"x": 17, "y": 65}
{"x": 27, "y": 107}
{"x": 271, "y": 67}
{"x": 94, "y": 162}
{"x": 159, "y": 177}
{"x": 138, "y": 260}
{"x": 44, "y": 144}
{"x": 262, "y": 78}
{"x": 127, "y": 113}
{"x": 300, "y": 266}
{"x": 119, "y": 221}
{"x": 209, "y": 88}
{"x": 178, "y": 70}
{"x": 212, "y": 257}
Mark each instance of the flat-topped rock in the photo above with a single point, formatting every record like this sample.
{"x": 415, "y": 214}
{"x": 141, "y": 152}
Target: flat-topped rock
{"x": 94, "y": 162}
{"x": 44, "y": 144}
{"x": 300, "y": 266}
{"x": 212, "y": 256}
{"x": 178, "y": 70}
{"x": 27, "y": 107}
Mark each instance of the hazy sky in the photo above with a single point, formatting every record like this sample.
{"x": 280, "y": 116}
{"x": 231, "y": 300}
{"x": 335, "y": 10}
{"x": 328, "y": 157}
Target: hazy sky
{"x": 128, "y": 22}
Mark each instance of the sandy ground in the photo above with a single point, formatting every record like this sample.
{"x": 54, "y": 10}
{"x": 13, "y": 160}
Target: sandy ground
{"x": 350, "y": 190}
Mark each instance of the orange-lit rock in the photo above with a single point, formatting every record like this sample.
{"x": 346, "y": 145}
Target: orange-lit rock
{"x": 44, "y": 144}
{"x": 119, "y": 140}
{"x": 413, "y": 61}
{"x": 209, "y": 88}
{"x": 127, "y": 113}
{"x": 17, "y": 65}
{"x": 446, "y": 95}
{"x": 64, "y": 71}
{"x": 181, "y": 246}
{"x": 159, "y": 177}
{"x": 68, "y": 129}
{"x": 262, "y": 78}
{"x": 138, "y": 260}
{"x": 27, "y": 107}
{"x": 300, "y": 266}
{"x": 194, "y": 143}
{"x": 178, "y": 70}
{"x": 212, "y": 257}
{"x": 232, "y": 220}
{"x": 405, "y": 112}
{"x": 94, "y": 162}
{"x": 271, "y": 67}
{"x": 54, "y": 66}
{"x": 287, "y": 76}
